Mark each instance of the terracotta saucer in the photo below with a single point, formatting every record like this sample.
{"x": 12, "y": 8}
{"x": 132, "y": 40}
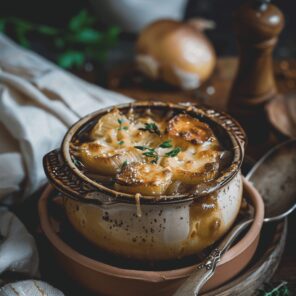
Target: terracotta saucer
{"x": 107, "y": 279}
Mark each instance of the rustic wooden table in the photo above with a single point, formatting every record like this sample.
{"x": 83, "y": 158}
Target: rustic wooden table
{"x": 215, "y": 92}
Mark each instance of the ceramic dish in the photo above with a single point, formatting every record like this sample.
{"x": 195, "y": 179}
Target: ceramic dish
{"x": 106, "y": 279}
{"x": 170, "y": 226}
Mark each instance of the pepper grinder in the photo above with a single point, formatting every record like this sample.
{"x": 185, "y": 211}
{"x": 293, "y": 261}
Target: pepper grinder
{"x": 258, "y": 24}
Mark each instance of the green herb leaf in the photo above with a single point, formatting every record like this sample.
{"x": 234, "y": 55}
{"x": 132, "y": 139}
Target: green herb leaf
{"x": 87, "y": 36}
{"x": 26, "y": 26}
{"x": 59, "y": 42}
{"x": 112, "y": 34}
{"x": 141, "y": 147}
{"x": 46, "y": 30}
{"x": 124, "y": 164}
{"x": 166, "y": 144}
{"x": 149, "y": 153}
{"x": 22, "y": 37}
{"x": 173, "y": 152}
{"x": 151, "y": 128}
{"x": 71, "y": 58}
{"x": 121, "y": 143}
{"x": 81, "y": 20}
{"x": 120, "y": 121}
{"x": 81, "y": 38}
{"x": 152, "y": 154}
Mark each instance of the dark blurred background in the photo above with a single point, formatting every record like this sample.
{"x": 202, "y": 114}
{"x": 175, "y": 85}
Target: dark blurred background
{"x": 58, "y": 13}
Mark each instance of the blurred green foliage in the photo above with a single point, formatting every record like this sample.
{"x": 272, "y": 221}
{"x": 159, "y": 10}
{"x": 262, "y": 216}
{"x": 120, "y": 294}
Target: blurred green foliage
{"x": 78, "y": 42}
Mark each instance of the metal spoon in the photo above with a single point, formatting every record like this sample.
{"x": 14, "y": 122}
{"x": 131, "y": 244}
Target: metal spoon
{"x": 274, "y": 176}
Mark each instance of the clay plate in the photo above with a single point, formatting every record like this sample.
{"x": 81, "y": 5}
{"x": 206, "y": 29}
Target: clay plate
{"x": 107, "y": 279}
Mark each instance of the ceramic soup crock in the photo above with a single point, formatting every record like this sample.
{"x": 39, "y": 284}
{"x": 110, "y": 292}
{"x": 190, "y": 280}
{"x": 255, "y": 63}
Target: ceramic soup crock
{"x": 156, "y": 228}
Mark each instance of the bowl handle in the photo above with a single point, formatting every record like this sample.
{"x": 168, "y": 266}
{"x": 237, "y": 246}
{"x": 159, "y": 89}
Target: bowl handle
{"x": 67, "y": 182}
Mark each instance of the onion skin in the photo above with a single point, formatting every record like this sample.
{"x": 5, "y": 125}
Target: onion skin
{"x": 175, "y": 52}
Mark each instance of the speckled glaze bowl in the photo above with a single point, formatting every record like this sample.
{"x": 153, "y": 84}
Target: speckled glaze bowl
{"x": 169, "y": 227}
{"x": 106, "y": 279}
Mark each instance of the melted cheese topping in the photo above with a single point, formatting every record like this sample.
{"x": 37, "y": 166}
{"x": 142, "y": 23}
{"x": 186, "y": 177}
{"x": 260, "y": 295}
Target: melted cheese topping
{"x": 150, "y": 155}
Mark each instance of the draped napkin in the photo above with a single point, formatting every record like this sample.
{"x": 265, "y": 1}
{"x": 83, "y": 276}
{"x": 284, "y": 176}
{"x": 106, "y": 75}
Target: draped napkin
{"x": 38, "y": 103}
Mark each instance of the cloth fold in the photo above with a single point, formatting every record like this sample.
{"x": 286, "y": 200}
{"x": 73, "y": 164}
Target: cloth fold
{"x": 18, "y": 251}
{"x": 38, "y": 102}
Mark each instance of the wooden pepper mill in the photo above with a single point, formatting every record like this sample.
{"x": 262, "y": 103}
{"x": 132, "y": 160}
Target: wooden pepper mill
{"x": 258, "y": 24}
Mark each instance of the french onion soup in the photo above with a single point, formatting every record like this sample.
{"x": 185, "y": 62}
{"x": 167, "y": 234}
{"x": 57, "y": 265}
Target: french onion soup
{"x": 150, "y": 153}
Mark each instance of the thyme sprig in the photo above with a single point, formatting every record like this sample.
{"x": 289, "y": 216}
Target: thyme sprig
{"x": 151, "y": 128}
{"x": 166, "y": 144}
{"x": 151, "y": 152}
{"x": 141, "y": 147}
{"x": 174, "y": 152}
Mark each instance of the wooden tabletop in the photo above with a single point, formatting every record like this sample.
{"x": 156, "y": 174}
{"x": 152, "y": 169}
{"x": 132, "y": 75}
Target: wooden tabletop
{"x": 125, "y": 79}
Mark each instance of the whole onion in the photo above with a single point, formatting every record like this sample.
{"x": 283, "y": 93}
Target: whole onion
{"x": 176, "y": 52}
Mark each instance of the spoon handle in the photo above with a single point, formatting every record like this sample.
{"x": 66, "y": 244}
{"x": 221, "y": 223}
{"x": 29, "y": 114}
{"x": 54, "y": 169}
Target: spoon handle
{"x": 207, "y": 267}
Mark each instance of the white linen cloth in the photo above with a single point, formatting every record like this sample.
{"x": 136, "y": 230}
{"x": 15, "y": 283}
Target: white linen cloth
{"x": 29, "y": 288}
{"x": 18, "y": 251}
{"x": 38, "y": 103}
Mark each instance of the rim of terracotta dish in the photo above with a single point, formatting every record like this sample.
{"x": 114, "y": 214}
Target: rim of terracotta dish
{"x": 230, "y": 126}
{"x": 151, "y": 276}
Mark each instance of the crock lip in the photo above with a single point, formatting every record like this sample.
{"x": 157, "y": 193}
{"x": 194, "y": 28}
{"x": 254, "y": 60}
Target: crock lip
{"x": 144, "y": 275}
{"x": 222, "y": 119}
